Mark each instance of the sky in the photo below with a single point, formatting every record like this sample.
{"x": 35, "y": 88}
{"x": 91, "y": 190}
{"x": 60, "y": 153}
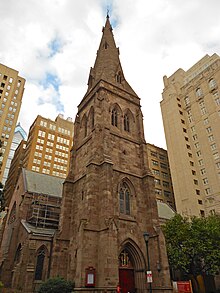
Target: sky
{"x": 53, "y": 44}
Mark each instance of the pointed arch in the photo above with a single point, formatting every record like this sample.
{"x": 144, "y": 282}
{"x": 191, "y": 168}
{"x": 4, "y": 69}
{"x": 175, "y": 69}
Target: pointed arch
{"x": 133, "y": 258}
{"x": 91, "y": 119}
{"x": 116, "y": 114}
{"x": 17, "y": 254}
{"x": 83, "y": 125}
{"x": 40, "y": 262}
{"x": 128, "y": 120}
{"x": 125, "y": 193}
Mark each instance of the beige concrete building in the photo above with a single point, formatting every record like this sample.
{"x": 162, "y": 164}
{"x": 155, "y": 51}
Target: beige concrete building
{"x": 11, "y": 92}
{"x": 191, "y": 116}
{"x": 48, "y": 146}
{"x": 159, "y": 165}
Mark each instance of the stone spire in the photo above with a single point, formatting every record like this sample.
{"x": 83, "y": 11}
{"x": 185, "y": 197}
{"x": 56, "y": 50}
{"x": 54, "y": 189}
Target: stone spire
{"x": 107, "y": 65}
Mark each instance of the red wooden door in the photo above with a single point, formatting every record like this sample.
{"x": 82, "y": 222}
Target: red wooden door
{"x": 126, "y": 280}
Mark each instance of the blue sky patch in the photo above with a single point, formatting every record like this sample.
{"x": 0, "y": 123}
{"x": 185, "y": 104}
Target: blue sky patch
{"x": 52, "y": 80}
{"x": 54, "y": 46}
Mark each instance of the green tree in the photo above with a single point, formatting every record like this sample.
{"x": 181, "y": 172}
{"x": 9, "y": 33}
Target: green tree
{"x": 57, "y": 285}
{"x": 2, "y": 200}
{"x": 193, "y": 245}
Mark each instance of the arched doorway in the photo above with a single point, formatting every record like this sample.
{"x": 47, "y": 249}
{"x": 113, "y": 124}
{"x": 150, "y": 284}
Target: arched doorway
{"x": 126, "y": 273}
{"x": 131, "y": 268}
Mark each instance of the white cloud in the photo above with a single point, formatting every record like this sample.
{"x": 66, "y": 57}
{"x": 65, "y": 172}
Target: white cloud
{"x": 155, "y": 39}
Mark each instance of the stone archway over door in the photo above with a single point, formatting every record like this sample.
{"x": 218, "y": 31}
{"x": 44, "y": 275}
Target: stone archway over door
{"x": 131, "y": 269}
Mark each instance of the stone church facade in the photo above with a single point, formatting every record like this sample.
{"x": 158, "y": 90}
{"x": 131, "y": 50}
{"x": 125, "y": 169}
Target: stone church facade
{"x": 108, "y": 198}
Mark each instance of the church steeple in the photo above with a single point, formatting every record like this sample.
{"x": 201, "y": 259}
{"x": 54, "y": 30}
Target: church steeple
{"x": 107, "y": 64}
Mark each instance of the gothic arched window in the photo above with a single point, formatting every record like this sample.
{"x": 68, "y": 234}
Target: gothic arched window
{"x": 18, "y": 254}
{"x": 40, "y": 263}
{"x": 124, "y": 199}
{"x": 126, "y": 123}
{"x": 114, "y": 117}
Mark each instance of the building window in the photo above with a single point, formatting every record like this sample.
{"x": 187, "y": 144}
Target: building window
{"x": 153, "y": 154}
{"x": 162, "y": 165}
{"x": 114, "y": 117}
{"x": 213, "y": 146}
{"x": 124, "y": 198}
{"x": 217, "y": 101}
{"x": 197, "y": 145}
{"x": 197, "y": 191}
{"x": 199, "y": 153}
{"x": 200, "y": 201}
{"x": 158, "y": 191}
{"x": 209, "y": 129}
{"x": 199, "y": 93}
{"x": 206, "y": 121}
{"x": 203, "y": 171}
{"x": 216, "y": 156}
{"x": 212, "y": 84}
{"x": 195, "y": 137}
{"x": 218, "y": 165}
{"x": 155, "y": 163}
{"x": 195, "y": 182}
{"x": 167, "y": 193}
{"x": 193, "y": 172}
{"x": 156, "y": 172}
{"x": 166, "y": 184}
{"x": 126, "y": 123}
{"x": 208, "y": 191}
{"x": 202, "y": 213}
{"x": 187, "y": 101}
{"x": 205, "y": 181}
{"x": 211, "y": 137}
{"x": 40, "y": 263}
{"x": 157, "y": 181}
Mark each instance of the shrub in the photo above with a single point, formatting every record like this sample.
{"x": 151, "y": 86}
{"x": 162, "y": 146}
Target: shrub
{"x": 56, "y": 285}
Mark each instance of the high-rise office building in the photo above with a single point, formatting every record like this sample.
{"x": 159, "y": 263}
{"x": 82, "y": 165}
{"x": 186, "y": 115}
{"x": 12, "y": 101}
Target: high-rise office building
{"x": 18, "y": 136}
{"x": 159, "y": 165}
{"x": 11, "y": 92}
{"x": 14, "y": 171}
{"x": 48, "y": 146}
{"x": 191, "y": 117}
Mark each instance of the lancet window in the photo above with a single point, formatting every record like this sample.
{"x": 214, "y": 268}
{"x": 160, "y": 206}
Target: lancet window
{"x": 126, "y": 123}
{"x": 124, "y": 198}
{"x": 40, "y": 263}
{"x": 114, "y": 117}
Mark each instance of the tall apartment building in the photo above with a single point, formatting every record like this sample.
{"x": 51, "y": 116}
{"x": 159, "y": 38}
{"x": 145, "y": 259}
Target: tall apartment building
{"x": 191, "y": 117}
{"x": 11, "y": 92}
{"x": 48, "y": 146}
{"x": 159, "y": 165}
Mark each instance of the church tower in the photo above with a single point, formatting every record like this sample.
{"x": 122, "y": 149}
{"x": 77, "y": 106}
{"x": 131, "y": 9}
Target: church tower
{"x": 108, "y": 196}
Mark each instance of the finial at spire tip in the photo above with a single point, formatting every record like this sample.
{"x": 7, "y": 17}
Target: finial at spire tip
{"x": 107, "y": 16}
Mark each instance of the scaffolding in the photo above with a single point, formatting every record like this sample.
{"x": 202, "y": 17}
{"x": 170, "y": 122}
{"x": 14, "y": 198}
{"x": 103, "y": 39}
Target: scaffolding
{"x": 44, "y": 211}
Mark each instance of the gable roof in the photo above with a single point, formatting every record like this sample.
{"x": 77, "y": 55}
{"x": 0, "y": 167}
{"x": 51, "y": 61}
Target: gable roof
{"x": 43, "y": 184}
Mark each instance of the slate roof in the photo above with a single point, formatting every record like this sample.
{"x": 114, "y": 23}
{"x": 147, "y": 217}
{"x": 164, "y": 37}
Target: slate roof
{"x": 42, "y": 183}
{"x": 165, "y": 211}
